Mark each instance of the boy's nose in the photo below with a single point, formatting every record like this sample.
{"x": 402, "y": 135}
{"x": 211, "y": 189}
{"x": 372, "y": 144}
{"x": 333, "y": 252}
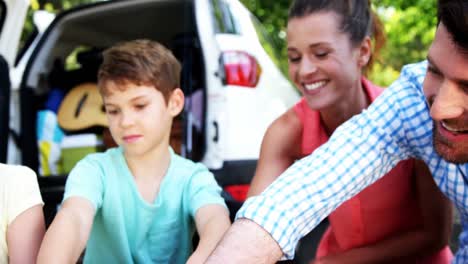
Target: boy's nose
{"x": 126, "y": 119}
{"x": 448, "y": 102}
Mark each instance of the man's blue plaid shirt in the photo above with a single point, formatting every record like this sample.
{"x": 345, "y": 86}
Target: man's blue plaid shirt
{"x": 395, "y": 127}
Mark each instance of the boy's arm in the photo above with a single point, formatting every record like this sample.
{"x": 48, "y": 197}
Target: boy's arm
{"x": 24, "y": 235}
{"x": 212, "y": 221}
{"x": 67, "y": 235}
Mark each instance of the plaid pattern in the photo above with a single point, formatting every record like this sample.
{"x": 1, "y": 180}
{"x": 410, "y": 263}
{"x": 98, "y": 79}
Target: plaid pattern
{"x": 396, "y": 126}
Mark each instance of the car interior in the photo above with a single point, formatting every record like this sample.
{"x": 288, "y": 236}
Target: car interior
{"x": 69, "y": 55}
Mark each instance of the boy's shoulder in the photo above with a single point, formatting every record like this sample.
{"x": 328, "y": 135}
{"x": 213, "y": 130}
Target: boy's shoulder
{"x": 99, "y": 163}
{"x": 185, "y": 171}
{"x": 103, "y": 158}
{"x": 187, "y": 168}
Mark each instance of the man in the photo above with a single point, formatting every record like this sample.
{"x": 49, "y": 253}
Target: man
{"x": 424, "y": 114}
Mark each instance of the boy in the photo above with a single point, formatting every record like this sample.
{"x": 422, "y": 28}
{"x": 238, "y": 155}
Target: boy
{"x": 137, "y": 203}
{"x": 22, "y": 220}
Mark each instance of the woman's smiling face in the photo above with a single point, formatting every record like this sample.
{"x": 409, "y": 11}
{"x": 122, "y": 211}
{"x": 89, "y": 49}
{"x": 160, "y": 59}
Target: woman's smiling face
{"x": 323, "y": 63}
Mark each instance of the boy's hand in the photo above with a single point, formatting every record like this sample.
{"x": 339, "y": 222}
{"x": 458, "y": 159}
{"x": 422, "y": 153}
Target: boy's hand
{"x": 212, "y": 222}
{"x": 68, "y": 234}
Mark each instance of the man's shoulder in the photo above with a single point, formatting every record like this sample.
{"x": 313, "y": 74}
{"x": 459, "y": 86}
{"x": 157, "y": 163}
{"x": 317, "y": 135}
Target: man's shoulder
{"x": 408, "y": 88}
{"x": 415, "y": 72}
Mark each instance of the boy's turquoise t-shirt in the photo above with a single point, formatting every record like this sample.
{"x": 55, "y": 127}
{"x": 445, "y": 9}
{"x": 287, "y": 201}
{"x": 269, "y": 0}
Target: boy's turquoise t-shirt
{"x": 126, "y": 228}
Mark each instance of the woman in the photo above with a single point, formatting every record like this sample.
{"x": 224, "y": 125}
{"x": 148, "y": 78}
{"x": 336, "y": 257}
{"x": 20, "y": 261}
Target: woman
{"x": 402, "y": 218}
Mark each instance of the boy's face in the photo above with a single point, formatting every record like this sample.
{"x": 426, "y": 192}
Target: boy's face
{"x": 446, "y": 89}
{"x": 139, "y": 118}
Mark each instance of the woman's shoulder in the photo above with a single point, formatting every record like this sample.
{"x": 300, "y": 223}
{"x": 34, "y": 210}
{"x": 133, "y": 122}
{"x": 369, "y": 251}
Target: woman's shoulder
{"x": 289, "y": 122}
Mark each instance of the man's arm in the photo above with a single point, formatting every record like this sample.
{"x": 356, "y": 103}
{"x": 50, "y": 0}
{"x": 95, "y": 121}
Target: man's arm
{"x": 67, "y": 235}
{"x": 24, "y": 235}
{"x": 246, "y": 242}
{"x": 212, "y": 221}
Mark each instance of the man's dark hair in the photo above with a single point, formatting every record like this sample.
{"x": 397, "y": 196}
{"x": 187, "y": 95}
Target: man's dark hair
{"x": 454, "y": 15}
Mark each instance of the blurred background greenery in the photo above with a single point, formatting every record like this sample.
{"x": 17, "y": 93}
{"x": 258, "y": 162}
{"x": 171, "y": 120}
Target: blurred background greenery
{"x": 409, "y": 25}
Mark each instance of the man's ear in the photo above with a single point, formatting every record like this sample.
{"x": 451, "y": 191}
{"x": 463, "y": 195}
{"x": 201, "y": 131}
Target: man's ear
{"x": 365, "y": 52}
{"x": 176, "y": 102}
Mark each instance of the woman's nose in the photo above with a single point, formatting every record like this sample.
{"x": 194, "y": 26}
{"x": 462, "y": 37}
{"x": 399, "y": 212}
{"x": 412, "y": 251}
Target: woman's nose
{"x": 307, "y": 67}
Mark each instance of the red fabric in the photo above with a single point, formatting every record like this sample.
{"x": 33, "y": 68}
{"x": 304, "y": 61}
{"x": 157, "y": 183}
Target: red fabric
{"x": 381, "y": 210}
{"x": 238, "y": 192}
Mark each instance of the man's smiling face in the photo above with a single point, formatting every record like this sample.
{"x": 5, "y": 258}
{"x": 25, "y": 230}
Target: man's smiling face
{"x": 446, "y": 89}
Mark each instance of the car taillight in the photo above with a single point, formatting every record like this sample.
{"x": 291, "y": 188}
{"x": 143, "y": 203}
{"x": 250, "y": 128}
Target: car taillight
{"x": 240, "y": 68}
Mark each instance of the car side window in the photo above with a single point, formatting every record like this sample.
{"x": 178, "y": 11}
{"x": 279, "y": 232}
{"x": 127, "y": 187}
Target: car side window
{"x": 223, "y": 18}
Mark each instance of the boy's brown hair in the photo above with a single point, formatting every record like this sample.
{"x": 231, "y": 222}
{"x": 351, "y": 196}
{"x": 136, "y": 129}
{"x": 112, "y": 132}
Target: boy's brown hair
{"x": 141, "y": 62}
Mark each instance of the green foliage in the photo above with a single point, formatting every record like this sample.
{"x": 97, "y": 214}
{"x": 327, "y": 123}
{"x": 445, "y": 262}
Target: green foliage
{"x": 53, "y": 6}
{"x": 410, "y": 28}
{"x": 273, "y": 15}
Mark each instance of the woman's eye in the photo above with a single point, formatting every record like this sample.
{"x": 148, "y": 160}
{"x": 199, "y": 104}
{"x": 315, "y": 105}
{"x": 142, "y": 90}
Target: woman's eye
{"x": 294, "y": 59}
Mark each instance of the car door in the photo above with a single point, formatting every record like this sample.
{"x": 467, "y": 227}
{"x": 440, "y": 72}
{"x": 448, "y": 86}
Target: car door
{"x": 207, "y": 25}
{"x": 12, "y": 16}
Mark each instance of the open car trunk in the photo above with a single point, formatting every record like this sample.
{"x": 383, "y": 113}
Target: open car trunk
{"x": 68, "y": 55}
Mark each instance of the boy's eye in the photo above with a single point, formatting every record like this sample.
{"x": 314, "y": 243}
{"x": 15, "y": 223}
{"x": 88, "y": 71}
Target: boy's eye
{"x": 140, "y": 106}
{"x": 111, "y": 111}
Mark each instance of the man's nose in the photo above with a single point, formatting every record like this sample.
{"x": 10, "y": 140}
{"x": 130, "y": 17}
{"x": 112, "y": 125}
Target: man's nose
{"x": 447, "y": 102}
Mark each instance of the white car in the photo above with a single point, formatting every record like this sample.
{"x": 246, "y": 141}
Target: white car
{"x": 234, "y": 89}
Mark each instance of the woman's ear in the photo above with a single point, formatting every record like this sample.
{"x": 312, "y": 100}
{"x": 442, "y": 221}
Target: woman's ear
{"x": 176, "y": 102}
{"x": 365, "y": 52}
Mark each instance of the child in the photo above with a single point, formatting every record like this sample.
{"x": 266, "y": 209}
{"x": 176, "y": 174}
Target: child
{"x": 139, "y": 202}
{"x": 22, "y": 220}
